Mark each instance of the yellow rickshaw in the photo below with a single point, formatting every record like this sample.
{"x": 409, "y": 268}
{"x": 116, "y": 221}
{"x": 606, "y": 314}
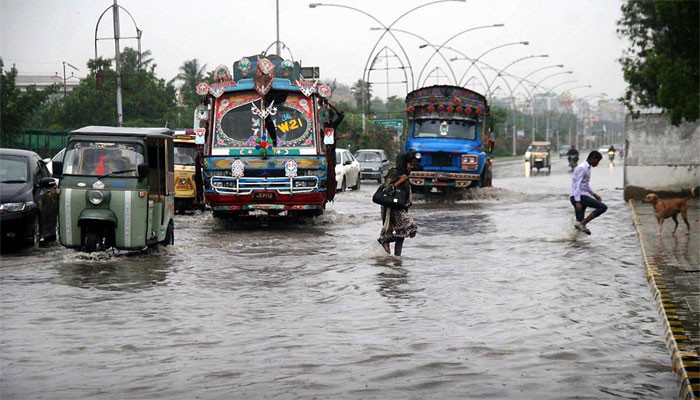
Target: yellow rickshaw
{"x": 537, "y": 154}
{"x": 185, "y": 152}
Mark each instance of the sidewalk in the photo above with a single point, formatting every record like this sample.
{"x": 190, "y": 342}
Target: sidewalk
{"x": 673, "y": 271}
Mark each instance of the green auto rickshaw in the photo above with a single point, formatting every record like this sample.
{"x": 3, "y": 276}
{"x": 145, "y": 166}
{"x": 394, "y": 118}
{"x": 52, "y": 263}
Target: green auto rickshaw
{"x": 117, "y": 188}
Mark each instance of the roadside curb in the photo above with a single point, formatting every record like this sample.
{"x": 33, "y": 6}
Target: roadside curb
{"x": 685, "y": 358}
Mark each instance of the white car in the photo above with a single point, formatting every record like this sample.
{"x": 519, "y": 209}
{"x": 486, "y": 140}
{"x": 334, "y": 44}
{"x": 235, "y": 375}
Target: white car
{"x": 347, "y": 170}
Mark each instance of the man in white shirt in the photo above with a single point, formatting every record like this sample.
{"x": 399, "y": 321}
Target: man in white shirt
{"x": 583, "y": 196}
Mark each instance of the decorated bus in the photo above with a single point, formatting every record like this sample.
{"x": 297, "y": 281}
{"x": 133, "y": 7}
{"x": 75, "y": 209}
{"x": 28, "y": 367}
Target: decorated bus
{"x": 447, "y": 130}
{"x": 267, "y": 146}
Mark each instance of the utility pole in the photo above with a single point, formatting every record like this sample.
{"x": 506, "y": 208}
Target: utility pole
{"x": 65, "y": 78}
{"x": 279, "y": 50}
{"x": 115, "y": 14}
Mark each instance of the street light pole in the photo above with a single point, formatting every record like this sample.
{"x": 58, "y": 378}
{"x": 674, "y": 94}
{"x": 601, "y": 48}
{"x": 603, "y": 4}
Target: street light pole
{"x": 279, "y": 50}
{"x": 530, "y": 93}
{"x": 115, "y": 15}
{"x": 64, "y": 76}
{"x": 485, "y": 53}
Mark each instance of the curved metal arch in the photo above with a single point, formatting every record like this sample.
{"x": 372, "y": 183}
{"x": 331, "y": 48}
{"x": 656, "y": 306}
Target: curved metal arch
{"x": 432, "y": 45}
{"x": 388, "y": 30}
{"x": 488, "y": 51}
{"x": 449, "y": 40}
{"x": 438, "y": 68}
{"x": 284, "y": 45}
{"x": 387, "y": 48}
{"x": 138, "y": 31}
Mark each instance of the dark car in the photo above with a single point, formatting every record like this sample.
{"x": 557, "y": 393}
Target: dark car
{"x": 374, "y": 164}
{"x": 28, "y": 199}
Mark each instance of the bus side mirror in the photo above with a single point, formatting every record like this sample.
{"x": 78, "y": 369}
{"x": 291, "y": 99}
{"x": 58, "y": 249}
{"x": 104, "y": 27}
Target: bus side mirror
{"x": 143, "y": 170}
{"x": 57, "y": 169}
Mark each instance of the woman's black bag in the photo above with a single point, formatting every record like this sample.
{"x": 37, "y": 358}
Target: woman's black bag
{"x": 397, "y": 199}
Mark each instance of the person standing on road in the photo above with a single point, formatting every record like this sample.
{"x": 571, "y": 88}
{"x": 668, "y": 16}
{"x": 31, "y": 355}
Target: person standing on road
{"x": 582, "y": 196}
{"x": 397, "y": 224}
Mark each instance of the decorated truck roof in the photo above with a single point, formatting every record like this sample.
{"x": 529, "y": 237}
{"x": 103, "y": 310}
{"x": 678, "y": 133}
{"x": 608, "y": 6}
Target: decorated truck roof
{"x": 442, "y": 101}
{"x": 262, "y": 73}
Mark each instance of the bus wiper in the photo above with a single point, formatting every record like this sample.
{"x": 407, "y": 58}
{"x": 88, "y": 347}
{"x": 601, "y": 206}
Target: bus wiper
{"x": 115, "y": 172}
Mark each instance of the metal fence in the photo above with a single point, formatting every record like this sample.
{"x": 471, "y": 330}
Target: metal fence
{"x": 44, "y": 143}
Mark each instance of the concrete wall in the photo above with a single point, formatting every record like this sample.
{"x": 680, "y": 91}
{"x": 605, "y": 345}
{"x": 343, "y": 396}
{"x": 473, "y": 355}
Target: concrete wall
{"x": 660, "y": 157}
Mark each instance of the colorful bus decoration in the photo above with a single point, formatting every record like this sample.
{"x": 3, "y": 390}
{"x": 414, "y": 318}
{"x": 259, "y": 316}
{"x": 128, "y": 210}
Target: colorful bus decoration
{"x": 263, "y": 152}
{"x": 447, "y": 130}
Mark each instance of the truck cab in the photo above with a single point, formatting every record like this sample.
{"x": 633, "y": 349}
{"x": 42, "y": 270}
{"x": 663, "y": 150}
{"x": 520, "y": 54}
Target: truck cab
{"x": 446, "y": 130}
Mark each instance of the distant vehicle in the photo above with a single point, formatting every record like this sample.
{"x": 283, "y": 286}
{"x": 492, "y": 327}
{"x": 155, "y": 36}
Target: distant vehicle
{"x": 537, "y": 154}
{"x": 564, "y": 150}
{"x": 29, "y": 203}
{"x": 347, "y": 170}
{"x": 603, "y": 149}
{"x": 184, "y": 154}
{"x": 374, "y": 163}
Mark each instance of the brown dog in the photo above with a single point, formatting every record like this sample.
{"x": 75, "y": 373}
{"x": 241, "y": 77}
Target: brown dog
{"x": 670, "y": 209}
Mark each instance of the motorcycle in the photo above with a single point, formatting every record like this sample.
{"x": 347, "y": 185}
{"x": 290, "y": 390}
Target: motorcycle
{"x": 573, "y": 162}
{"x": 611, "y": 155}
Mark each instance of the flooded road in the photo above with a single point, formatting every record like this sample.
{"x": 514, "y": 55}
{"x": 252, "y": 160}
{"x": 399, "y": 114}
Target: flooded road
{"x": 496, "y": 298}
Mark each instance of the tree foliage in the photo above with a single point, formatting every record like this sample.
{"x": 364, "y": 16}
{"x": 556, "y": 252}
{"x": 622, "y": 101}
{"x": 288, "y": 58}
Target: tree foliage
{"x": 661, "y": 65}
{"x": 18, "y": 109}
{"x": 146, "y": 99}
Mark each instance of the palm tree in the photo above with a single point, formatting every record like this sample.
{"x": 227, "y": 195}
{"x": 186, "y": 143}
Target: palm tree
{"x": 191, "y": 74}
{"x": 362, "y": 91}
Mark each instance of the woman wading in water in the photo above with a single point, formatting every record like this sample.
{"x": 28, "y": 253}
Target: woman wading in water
{"x": 397, "y": 223}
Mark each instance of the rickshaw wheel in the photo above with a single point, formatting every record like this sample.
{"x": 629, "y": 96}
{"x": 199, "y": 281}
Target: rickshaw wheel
{"x": 92, "y": 240}
{"x": 169, "y": 235}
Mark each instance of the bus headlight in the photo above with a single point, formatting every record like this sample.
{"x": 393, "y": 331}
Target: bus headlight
{"x": 95, "y": 197}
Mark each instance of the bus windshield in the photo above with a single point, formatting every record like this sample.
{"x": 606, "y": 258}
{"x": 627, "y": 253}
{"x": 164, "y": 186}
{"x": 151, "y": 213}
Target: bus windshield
{"x": 436, "y": 128}
{"x": 101, "y": 158}
{"x": 239, "y": 127}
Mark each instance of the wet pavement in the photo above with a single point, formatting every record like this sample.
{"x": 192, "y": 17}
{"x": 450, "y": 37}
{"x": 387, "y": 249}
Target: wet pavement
{"x": 673, "y": 271}
{"x": 497, "y": 297}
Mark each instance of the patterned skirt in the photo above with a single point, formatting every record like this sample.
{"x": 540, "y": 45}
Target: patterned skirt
{"x": 398, "y": 224}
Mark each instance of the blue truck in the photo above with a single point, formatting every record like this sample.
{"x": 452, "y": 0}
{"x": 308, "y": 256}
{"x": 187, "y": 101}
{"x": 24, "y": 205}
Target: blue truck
{"x": 447, "y": 130}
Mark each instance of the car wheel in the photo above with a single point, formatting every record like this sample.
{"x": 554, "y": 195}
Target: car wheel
{"x": 357, "y": 186}
{"x": 343, "y": 186}
{"x": 34, "y": 240}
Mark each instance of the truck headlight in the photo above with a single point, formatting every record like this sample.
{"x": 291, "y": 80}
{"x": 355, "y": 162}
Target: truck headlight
{"x": 95, "y": 197}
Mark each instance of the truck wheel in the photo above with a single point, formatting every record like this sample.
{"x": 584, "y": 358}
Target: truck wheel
{"x": 482, "y": 179}
{"x": 169, "y": 235}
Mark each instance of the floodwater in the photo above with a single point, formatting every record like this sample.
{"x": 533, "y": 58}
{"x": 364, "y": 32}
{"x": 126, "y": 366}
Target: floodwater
{"x": 497, "y": 297}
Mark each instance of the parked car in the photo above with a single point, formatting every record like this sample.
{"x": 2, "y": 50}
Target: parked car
{"x": 28, "y": 199}
{"x": 564, "y": 150}
{"x": 347, "y": 170}
{"x": 374, "y": 164}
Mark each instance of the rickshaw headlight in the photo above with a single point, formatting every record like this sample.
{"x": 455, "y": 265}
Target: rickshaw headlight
{"x": 96, "y": 197}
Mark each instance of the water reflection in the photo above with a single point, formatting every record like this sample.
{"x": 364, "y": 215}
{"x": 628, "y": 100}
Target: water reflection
{"x": 392, "y": 281}
{"x": 449, "y": 223}
{"x": 113, "y": 276}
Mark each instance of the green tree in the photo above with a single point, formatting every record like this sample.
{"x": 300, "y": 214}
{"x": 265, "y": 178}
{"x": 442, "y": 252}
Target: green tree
{"x": 18, "y": 109}
{"x": 362, "y": 92}
{"x": 661, "y": 65}
{"x": 148, "y": 101}
{"x": 191, "y": 74}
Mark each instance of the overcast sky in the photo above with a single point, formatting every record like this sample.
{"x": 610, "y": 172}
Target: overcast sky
{"x": 37, "y": 35}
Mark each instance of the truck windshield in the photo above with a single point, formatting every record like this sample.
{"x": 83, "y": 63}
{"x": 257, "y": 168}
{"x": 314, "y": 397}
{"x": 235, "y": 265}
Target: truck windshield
{"x": 101, "y": 158}
{"x": 433, "y": 128}
{"x": 184, "y": 154}
{"x": 239, "y": 127}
